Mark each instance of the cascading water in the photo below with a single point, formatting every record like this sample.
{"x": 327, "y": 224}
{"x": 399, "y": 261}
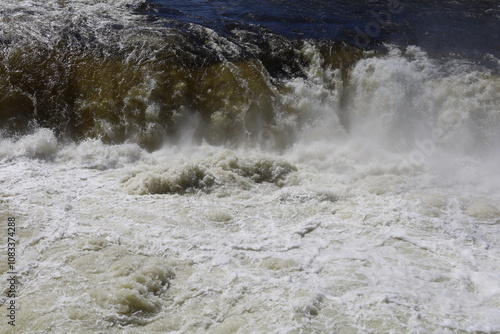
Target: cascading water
{"x": 273, "y": 167}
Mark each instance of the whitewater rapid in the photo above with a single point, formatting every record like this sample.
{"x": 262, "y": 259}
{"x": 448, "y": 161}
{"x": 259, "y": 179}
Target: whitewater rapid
{"x": 343, "y": 231}
{"x": 176, "y": 179}
{"x": 196, "y": 239}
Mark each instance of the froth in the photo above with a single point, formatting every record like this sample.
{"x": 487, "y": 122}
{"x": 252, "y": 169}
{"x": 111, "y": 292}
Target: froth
{"x": 40, "y": 145}
{"x": 405, "y": 98}
{"x": 225, "y": 170}
{"x": 95, "y": 154}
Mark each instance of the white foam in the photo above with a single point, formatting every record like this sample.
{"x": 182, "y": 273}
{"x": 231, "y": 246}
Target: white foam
{"x": 94, "y": 154}
{"x": 329, "y": 236}
{"x": 40, "y": 145}
{"x": 403, "y": 99}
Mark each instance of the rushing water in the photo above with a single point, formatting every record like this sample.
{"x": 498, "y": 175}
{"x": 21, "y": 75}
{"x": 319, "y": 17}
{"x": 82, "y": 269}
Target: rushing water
{"x": 251, "y": 167}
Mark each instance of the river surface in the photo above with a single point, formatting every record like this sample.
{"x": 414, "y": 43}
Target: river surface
{"x": 250, "y": 167}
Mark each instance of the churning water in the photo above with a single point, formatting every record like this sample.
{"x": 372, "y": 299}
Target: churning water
{"x": 250, "y": 167}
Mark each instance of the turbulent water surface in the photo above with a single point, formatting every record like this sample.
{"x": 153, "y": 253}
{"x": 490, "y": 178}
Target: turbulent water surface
{"x": 251, "y": 167}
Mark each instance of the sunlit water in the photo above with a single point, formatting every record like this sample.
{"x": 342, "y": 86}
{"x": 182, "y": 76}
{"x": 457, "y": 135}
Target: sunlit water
{"x": 169, "y": 177}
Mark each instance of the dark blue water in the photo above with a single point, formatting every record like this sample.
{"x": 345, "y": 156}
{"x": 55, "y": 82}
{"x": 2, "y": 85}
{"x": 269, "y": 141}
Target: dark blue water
{"x": 464, "y": 27}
